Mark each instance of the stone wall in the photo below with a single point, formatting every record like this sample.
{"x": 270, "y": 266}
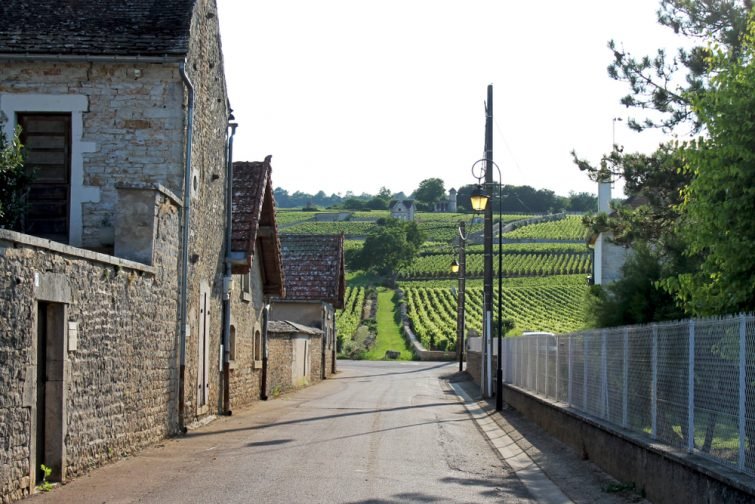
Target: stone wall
{"x": 208, "y": 161}
{"x": 118, "y": 342}
{"x": 279, "y": 363}
{"x": 246, "y": 317}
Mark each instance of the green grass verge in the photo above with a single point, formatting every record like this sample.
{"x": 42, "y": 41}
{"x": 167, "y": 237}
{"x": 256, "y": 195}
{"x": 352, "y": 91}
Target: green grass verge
{"x": 388, "y": 330}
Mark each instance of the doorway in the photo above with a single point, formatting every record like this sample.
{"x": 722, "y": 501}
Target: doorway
{"x": 50, "y": 401}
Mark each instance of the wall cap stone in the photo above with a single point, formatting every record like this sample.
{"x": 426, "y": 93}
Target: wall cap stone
{"x": 17, "y": 238}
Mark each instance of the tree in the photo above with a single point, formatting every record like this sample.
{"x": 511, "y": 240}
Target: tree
{"x": 581, "y": 202}
{"x": 389, "y": 247}
{"x": 655, "y": 83}
{"x": 14, "y": 181}
{"x": 719, "y": 202}
{"x": 429, "y": 192}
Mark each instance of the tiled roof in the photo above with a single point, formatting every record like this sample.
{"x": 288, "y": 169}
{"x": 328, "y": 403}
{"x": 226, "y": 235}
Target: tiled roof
{"x": 254, "y": 228}
{"x": 95, "y": 27}
{"x": 314, "y": 268}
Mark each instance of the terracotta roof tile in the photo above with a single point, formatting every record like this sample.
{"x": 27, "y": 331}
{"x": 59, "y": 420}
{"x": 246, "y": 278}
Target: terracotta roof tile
{"x": 254, "y": 228}
{"x": 314, "y": 267}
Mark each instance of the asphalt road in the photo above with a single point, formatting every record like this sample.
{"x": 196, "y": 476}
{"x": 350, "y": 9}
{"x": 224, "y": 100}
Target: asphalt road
{"x": 377, "y": 432}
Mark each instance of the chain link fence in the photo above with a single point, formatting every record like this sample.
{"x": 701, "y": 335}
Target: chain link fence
{"x": 688, "y": 384}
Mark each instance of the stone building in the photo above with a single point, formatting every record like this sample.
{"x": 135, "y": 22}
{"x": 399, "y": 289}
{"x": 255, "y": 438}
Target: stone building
{"x": 402, "y": 209}
{"x": 314, "y": 273}
{"x": 258, "y": 275}
{"x": 448, "y": 204}
{"x": 112, "y": 295}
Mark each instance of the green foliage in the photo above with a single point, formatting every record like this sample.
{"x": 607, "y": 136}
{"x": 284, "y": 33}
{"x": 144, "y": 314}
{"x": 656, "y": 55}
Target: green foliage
{"x": 720, "y": 200}
{"x": 389, "y": 247}
{"x": 654, "y": 81}
{"x": 637, "y": 297}
{"x": 350, "y": 317}
{"x": 45, "y": 486}
{"x": 14, "y": 181}
{"x": 429, "y": 192}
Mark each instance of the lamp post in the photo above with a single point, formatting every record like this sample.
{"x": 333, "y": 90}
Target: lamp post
{"x": 460, "y": 267}
{"x": 479, "y": 200}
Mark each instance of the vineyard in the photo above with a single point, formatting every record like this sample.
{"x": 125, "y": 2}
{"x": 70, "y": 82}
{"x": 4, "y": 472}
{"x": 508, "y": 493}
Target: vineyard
{"x": 545, "y": 266}
{"x": 555, "y": 306}
{"x": 349, "y": 318}
{"x": 570, "y": 229}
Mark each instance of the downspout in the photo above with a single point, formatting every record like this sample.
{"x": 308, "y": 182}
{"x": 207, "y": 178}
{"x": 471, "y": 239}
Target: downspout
{"x": 323, "y": 345}
{"x": 228, "y": 276}
{"x": 184, "y": 286}
{"x": 333, "y": 342}
{"x": 263, "y": 380}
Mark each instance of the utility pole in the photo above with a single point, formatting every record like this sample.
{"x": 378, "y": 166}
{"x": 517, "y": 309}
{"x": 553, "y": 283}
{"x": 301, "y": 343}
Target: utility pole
{"x": 488, "y": 252}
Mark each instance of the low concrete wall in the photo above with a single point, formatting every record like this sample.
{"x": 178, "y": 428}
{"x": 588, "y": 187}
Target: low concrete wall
{"x": 664, "y": 474}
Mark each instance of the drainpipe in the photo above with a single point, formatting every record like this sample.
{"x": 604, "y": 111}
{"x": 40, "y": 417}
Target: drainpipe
{"x": 184, "y": 285}
{"x": 228, "y": 276}
{"x": 324, "y": 319}
{"x": 263, "y": 381}
{"x": 333, "y": 342}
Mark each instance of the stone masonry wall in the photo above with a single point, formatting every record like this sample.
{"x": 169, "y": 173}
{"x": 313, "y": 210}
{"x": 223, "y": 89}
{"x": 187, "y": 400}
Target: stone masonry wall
{"x": 246, "y": 317}
{"x": 208, "y": 160}
{"x": 281, "y": 357}
{"x": 134, "y": 123}
{"x": 121, "y": 369}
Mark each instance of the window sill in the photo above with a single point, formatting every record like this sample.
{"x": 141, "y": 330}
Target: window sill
{"x": 246, "y": 296}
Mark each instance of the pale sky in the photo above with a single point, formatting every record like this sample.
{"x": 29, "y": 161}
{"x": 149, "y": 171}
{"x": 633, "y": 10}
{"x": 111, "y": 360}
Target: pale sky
{"x": 354, "y": 95}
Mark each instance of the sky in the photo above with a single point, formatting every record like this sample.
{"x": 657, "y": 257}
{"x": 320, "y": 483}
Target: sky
{"x": 356, "y": 95}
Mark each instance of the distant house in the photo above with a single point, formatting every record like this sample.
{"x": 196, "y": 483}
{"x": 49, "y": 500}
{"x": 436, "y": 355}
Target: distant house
{"x": 402, "y": 209}
{"x": 314, "y": 272}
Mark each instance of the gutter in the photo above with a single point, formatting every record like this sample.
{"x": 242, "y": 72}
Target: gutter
{"x": 228, "y": 276}
{"x": 92, "y": 58}
{"x": 184, "y": 285}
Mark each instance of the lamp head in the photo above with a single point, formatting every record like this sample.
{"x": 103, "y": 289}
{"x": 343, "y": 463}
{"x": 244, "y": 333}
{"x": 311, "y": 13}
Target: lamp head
{"x": 455, "y": 266}
{"x": 479, "y": 199}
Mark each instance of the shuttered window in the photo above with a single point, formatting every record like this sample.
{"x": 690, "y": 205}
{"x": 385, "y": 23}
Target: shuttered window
{"x": 47, "y": 143}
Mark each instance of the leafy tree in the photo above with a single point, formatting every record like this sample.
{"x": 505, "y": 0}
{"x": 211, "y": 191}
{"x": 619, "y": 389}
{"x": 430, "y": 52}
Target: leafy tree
{"x": 581, "y": 202}
{"x": 655, "y": 83}
{"x": 719, "y": 202}
{"x": 14, "y": 181}
{"x": 384, "y": 194}
{"x": 389, "y": 247}
{"x": 429, "y": 192}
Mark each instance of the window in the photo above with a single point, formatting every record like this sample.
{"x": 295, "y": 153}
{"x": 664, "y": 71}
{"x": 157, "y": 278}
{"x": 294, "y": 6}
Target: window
{"x": 246, "y": 286}
{"x": 257, "y": 349}
{"x": 232, "y": 344}
{"x": 47, "y": 140}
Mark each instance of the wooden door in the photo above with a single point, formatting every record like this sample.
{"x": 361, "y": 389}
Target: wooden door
{"x": 47, "y": 143}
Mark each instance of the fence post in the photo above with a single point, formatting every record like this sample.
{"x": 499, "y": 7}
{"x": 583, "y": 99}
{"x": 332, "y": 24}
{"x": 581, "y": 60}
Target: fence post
{"x": 558, "y": 370}
{"x": 569, "y": 373}
{"x": 603, "y": 376}
{"x": 654, "y": 385}
{"x": 537, "y": 364}
{"x": 584, "y": 374}
{"x": 742, "y": 384}
{"x": 625, "y": 381}
{"x": 691, "y": 389}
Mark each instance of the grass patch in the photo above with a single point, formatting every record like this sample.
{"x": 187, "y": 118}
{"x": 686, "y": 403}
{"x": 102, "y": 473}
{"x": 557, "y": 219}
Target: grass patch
{"x": 389, "y": 335}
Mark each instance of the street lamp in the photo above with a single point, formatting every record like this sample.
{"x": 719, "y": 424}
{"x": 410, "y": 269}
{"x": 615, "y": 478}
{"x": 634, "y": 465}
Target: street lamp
{"x": 479, "y": 201}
